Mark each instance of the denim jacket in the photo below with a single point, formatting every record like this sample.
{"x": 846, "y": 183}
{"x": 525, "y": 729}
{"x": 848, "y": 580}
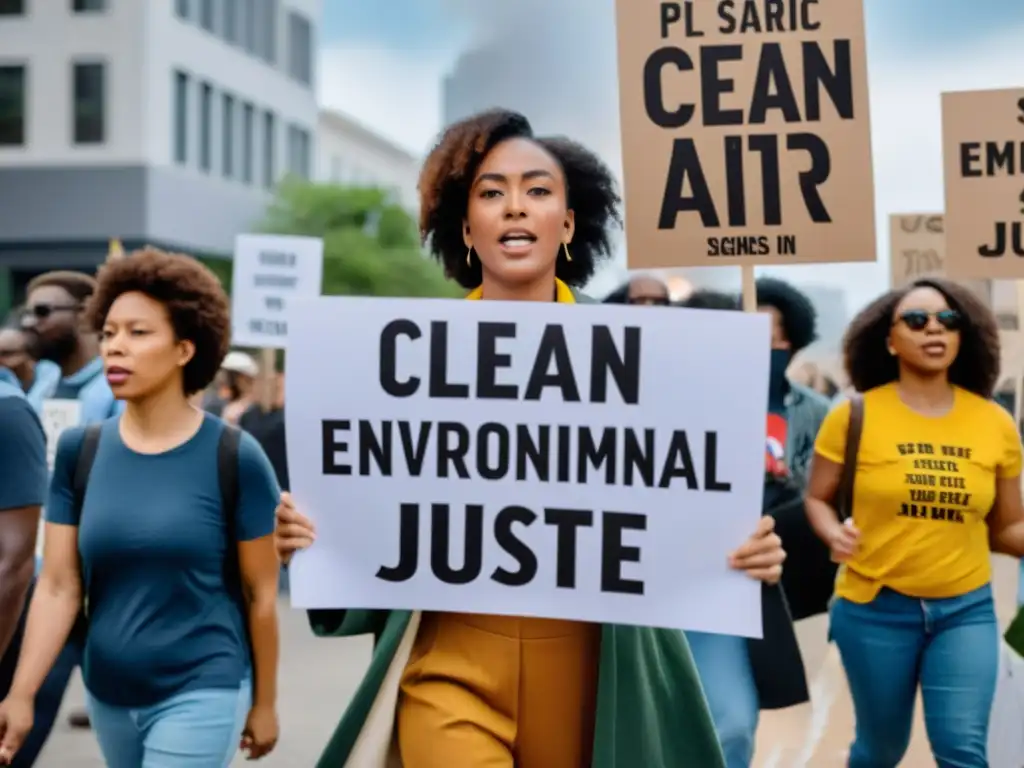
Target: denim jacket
{"x": 805, "y": 410}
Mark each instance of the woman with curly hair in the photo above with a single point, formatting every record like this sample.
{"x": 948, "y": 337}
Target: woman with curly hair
{"x": 937, "y": 490}
{"x": 160, "y": 524}
{"x": 518, "y": 218}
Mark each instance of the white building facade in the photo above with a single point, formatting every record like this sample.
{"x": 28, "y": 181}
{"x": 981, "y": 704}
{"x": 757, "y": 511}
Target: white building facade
{"x": 155, "y": 121}
{"x": 349, "y": 153}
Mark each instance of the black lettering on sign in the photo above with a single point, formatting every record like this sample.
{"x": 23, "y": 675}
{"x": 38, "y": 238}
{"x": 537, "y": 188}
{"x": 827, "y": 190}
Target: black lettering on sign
{"x": 1008, "y": 237}
{"x": 275, "y": 281}
{"x": 1020, "y": 107}
{"x": 268, "y": 327}
{"x": 615, "y": 552}
{"x": 685, "y": 170}
{"x": 552, "y": 365}
{"x": 673, "y": 13}
{"x": 912, "y": 224}
{"x": 494, "y": 451}
{"x": 766, "y": 16}
{"x": 277, "y": 259}
{"x": 991, "y": 158}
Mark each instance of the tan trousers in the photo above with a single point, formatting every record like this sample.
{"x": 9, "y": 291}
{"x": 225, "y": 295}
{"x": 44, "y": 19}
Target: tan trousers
{"x": 497, "y": 692}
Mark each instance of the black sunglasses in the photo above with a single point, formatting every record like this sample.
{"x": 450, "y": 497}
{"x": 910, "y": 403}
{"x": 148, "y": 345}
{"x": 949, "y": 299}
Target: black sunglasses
{"x": 917, "y": 319}
{"x": 42, "y": 311}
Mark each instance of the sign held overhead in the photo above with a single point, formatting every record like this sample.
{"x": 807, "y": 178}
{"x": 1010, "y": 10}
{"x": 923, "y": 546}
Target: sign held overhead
{"x": 746, "y": 136}
{"x": 983, "y": 146}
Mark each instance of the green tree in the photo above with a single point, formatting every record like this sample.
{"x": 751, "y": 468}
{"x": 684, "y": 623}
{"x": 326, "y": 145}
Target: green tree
{"x": 371, "y": 245}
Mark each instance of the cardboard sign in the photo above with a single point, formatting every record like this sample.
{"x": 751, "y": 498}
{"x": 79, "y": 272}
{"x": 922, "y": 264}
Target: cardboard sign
{"x": 983, "y": 148}
{"x": 745, "y": 130}
{"x": 57, "y": 416}
{"x": 484, "y": 458}
{"x": 917, "y": 250}
{"x": 269, "y": 272}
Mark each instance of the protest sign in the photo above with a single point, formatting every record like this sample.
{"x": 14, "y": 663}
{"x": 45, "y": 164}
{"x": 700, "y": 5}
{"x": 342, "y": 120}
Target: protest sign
{"x": 269, "y": 272}
{"x": 917, "y": 251}
{"x": 983, "y": 149}
{"x": 589, "y": 463}
{"x": 746, "y": 135}
{"x": 58, "y": 415}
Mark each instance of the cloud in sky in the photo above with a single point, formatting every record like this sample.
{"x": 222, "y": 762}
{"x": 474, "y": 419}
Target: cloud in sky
{"x": 555, "y": 60}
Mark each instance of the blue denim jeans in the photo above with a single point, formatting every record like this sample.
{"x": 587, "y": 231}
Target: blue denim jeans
{"x": 892, "y": 645}
{"x": 197, "y": 729}
{"x": 723, "y": 663}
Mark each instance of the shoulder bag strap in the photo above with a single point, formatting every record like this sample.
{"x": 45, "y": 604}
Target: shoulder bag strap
{"x": 83, "y": 465}
{"x": 853, "y": 433}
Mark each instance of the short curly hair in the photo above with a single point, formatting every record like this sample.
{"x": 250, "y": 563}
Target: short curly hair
{"x": 799, "y": 318}
{"x": 707, "y": 299}
{"x": 448, "y": 174}
{"x": 79, "y": 285}
{"x": 976, "y": 368}
{"x": 196, "y": 303}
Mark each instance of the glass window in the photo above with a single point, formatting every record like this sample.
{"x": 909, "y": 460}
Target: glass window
{"x": 89, "y": 103}
{"x": 12, "y": 105}
{"x": 181, "y": 82}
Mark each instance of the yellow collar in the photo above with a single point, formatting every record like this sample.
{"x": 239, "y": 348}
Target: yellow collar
{"x": 563, "y": 293}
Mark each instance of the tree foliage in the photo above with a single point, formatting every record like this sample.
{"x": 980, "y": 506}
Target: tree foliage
{"x": 371, "y": 244}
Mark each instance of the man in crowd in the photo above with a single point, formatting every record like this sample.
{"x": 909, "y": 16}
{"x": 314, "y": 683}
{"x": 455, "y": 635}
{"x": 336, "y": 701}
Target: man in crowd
{"x": 641, "y": 290}
{"x": 235, "y": 387}
{"x": 17, "y": 357}
{"x": 22, "y": 489}
{"x": 76, "y": 393}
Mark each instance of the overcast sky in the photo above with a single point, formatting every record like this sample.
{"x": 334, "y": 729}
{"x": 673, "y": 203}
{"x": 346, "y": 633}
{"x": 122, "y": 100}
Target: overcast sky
{"x": 383, "y": 63}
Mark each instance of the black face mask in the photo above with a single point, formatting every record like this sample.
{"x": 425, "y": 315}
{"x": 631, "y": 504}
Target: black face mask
{"x": 778, "y": 385}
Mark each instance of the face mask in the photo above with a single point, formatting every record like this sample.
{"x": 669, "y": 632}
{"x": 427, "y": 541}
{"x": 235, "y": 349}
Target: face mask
{"x": 777, "y": 383}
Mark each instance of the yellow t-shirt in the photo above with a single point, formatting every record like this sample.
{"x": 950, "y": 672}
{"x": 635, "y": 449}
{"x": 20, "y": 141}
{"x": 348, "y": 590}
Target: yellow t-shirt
{"x": 924, "y": 486}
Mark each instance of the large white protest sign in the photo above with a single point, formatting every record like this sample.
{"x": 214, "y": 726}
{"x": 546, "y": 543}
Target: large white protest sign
{"x": 57, "y": 416}
{"x": 269, "y": 272}
{"x": 590, "y": 463}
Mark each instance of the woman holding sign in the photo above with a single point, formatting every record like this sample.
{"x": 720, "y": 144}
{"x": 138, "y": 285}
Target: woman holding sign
{"x": 513, "y": 217}
{"x": 937, "y": 490}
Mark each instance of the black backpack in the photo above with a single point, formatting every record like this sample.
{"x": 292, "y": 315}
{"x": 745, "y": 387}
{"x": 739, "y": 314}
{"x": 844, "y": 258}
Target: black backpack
{"x": 227, "y": 473}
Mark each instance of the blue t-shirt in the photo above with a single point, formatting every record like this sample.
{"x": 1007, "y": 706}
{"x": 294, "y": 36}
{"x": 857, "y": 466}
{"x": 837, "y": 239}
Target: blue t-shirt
{"x": 23, "y": 474}
{"x": 163, "y": 619}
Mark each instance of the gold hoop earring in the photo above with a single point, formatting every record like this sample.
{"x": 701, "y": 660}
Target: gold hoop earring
{"x": 565, "y": 247}
{"x": 469, "y": 256}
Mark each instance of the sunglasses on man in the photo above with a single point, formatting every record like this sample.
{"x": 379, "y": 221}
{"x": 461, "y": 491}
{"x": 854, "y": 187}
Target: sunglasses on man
{"x": 43, "y": 311}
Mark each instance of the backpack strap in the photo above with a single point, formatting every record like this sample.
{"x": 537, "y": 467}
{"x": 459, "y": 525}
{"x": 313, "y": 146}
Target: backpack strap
{"x": 227, "y": 474}
{"x": 84, "y": 462}
{"x": 853, "y": 432}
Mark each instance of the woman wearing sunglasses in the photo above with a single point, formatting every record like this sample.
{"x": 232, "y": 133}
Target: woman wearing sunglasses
{"x": 937, "y": 490}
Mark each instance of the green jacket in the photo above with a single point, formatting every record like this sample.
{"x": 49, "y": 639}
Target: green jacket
{"x": 651, "y": 709}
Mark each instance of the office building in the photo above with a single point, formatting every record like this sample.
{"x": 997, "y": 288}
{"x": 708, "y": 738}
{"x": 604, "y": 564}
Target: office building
{"x": 349, "y": 153}
{"x": 154, "y": 121}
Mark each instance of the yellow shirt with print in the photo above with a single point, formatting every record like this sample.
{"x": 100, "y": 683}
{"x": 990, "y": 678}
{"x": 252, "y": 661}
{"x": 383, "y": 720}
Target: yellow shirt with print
{"x": 924, "y": 486}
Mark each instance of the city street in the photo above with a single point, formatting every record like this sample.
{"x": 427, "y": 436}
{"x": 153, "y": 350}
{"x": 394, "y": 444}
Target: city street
{"x": 318, "y": 676}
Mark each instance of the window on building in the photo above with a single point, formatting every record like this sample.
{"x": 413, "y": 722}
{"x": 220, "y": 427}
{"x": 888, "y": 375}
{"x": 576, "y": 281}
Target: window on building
{"x": 231, "y": 31}
{"x": 181, "y": 82}
{"x": 269, "y": 141}
{"x": 12, "y": 105}
{"x": 227, "y": 149}
{"x": 248, "y": 141}
{"x": 268, "y": 30}
{"x": 299, "y": 146}
{"x": 12, "y": 7}
{"x": 89, "y": 103}
{"x": 207, "y": 15}
{"x": 88, "y": 6}
{"x": 249, "y": 26}
{"x": 183, "y": 10}
{"x": 205, "y": 127}
{"x": 300, "y": 48}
